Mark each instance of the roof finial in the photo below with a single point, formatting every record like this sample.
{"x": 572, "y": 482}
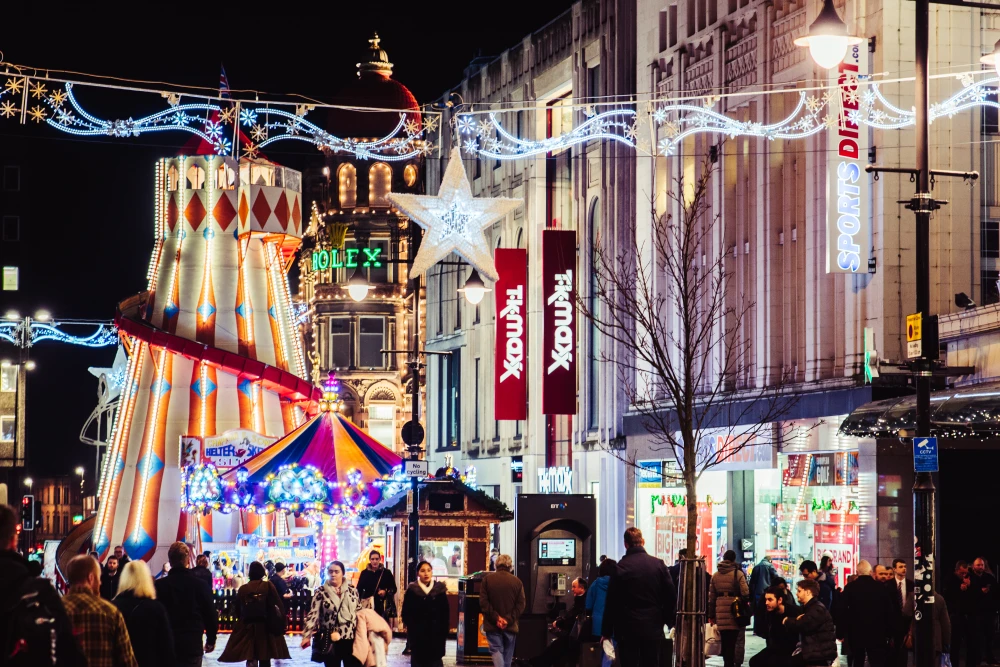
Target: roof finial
{"x": 376, "y": 60}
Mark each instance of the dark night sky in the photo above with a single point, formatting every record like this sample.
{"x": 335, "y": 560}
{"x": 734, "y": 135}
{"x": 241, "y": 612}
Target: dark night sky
{"x": 90, "y": 216}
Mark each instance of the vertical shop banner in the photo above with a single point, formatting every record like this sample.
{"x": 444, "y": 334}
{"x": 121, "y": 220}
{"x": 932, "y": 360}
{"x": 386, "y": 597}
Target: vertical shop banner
{"x": 510, "y": 393}
{"x": 559, "y": 322}
{"x": 847, "y": 197}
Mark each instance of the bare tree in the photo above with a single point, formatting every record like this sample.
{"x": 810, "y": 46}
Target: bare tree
{"x": 666, "y": 300}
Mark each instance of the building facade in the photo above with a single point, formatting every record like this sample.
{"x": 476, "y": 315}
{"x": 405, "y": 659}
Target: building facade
{"x": 803, "y": 488}
{"x": 583, "y": 57}
{"x": 355, "y": 229}
{"x": 60, "y": 507}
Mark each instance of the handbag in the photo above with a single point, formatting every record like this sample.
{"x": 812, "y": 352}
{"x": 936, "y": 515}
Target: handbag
{"x": 324, "y": 644}
{"x": 713, "y": 640}
{"x": 742, "y": 613}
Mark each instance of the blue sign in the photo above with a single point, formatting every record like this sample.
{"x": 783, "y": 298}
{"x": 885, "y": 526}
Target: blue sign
{"x": 925, "y": 455}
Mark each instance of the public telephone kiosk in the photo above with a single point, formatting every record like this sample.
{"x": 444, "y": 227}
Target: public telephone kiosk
{"x": 556, "y": 543}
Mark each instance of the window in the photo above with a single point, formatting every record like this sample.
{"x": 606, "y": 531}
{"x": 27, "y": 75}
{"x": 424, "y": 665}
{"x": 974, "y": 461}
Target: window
{"x": 991, "y": 123}
{"x": 594, "y": 82}
{"x": 990, "y": 242}
{"x": 521, "y": 127}
{"x": 11, "y": 178}
{"x": 410, "y": 175}
{"x": 382, "y": 423}
{"x": 380, "y": 274}
{"x": 8, "y": 378}
{"x": 449, "y": 400}
{"x": 458, "y": 304}
{"x": 371, "y": 340}
{"x": 195, "y": 177}
{"x": 225, "y": 177}
{"x": 11, "y": 228}
{"x": 7, "y": 424}
{"x": 66, "y": 495}
{"x": 518, "y": 425}
{"x": 593, "y": 360}
{"x": 496, "y": 430}
{"x": 347, "y": 183}
{"x": 991, "y": 290}
{"x": 479, "y": 168}
{"x": 379, "y": 185}
{"x": 340, "y": 342}
{"x": 475, "y": 430}
{"x": 57, "y": 489}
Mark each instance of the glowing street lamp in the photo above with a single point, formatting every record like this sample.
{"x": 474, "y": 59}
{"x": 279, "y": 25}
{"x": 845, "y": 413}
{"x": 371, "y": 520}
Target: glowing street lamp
{"x": 358, "y": 285}
{"x": 993, "y": 58}
{"x": 828, "y": 39}
{"x": 28, "y": 482}
{"x": 475, "y": 289}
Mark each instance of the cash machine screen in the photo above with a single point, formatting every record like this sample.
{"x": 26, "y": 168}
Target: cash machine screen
{"x": 557, "y": 551}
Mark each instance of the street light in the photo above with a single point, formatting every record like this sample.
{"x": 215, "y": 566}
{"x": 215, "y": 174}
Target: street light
{"x": 29, "y": 365}
{"x": 12, "y": 315}
{"x": 358, "y": 285}
{"x": 828, "y": 38}
{"x": 993, "y": 58}
{"x": 475, "y": 289}
{"x": 43, "y": 316}
{"x": 80, "y": 471}
{"x": 28, "y": 482}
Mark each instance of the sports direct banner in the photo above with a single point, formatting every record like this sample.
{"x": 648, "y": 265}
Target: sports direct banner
{"x": 847, "y": 198}
{"x": 510, "y": 392}
{"x": 559, "y": 322}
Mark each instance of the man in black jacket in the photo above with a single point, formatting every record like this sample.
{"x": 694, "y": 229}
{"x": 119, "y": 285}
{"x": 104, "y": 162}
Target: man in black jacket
{"x": 641, "y": 600}
{"x": 189, "y": 605}
{"x": 956, "y": 594}
{"x": 781, "y": 640}
{"x": 982, "y": 592}
{"x": 815, "y": 627}
{"x": 901, "y": 592}
{"x": 865, "y": 618}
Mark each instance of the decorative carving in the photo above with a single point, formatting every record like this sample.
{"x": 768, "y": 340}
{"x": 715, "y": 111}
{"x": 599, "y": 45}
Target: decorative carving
{"x": 741, "y": 63}
{"x": 784, "y": 53}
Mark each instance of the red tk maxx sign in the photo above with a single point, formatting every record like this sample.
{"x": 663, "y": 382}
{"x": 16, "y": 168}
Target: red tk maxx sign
{"x": 558, "y": 361}
{"x": 510, "y": 379}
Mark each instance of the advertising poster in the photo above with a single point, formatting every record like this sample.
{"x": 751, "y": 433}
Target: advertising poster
{"x": 558, "y": 361}
{"x": 510, "y": 379}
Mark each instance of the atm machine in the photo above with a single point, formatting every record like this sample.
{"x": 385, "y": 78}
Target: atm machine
{"x": 556, "y": 543}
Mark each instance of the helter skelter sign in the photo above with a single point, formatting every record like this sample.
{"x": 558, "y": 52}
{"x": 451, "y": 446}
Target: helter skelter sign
{"x": 558, "y": 363}
{"x": 848, "y": 233}
{"x": 510, "y": 379}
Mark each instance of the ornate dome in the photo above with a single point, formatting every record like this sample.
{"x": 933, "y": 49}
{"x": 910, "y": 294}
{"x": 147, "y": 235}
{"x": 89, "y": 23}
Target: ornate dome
{"x": 373, "y": 88}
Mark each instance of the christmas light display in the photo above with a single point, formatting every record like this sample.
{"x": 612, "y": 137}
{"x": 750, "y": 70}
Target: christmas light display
{"x": 454, "y": 221}
{"x": 104, "y": 336}
{"x": 489, "y": 139}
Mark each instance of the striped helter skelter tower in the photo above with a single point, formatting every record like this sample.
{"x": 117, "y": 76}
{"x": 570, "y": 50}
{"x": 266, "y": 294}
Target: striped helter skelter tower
{"x": 213, "y": 342}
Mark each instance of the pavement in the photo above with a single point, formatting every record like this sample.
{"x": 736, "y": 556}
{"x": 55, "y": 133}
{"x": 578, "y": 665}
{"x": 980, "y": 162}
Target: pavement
{"x": 300, "y": 657}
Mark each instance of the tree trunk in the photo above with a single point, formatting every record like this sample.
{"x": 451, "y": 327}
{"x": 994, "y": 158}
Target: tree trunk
{"x": 690, "y": 634}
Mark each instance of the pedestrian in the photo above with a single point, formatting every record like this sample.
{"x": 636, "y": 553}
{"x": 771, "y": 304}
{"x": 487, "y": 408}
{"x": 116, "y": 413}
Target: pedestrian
{"x": 808, "y": 570}
{"x": 201, "y": 571}
{"x": 760, "y": 580}
{"x": 279, "y": 581}
{"x": 883, "y": 573}
{"x": 122, "y": 557}
{"x": 597, "y": 594}
{"x": 145, "y": 618}
{"x": 675, "y": 569}
{"x": 865, "y": 619}
{"x": 982, "y": 614}
{"x": 377, "y": 588}
{"x": 332, "y": 619}
{"x": 901, "y": 593}
{"x": 569, "y": 630}
{"x": 817, "y": 634}
{"x": 27, "y": 599}
{"x": 97, "y": 624}
{"x": 501, "y": 601}
{"x": 312, "y": 576}
{"x": 189, "y": 605}
{"x": 163, "y": 572}
{"x": 942, "y": 627}
{"x": 261, "y": 613}
{"x": 956, "y": 590}
{"x": 641, "y": 600}
{"x": 109, "y": 578}
{"x": 781, "y": 640}
{"x": 426, "y": 615}
{"x": 728, "y": 583}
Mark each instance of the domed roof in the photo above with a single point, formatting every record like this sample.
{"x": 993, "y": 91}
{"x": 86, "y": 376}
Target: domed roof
{"x": 373, "y": 88}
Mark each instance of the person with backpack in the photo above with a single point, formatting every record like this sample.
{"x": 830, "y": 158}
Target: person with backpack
{"x": 259, "y": 635}
{"x": 145, "y": 618}
{"x": 29, "y": 608}
{"x": 97, "y": 624}
{"x": 728, "y": 585}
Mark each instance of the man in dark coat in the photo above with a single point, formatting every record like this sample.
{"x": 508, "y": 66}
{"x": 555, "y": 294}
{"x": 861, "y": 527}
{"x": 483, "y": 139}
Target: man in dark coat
{"x": 189, "y": 605}
{"x": 901, "y": 593}
{"x": 781, "y": 640}
{"x": 110, "y": 574}
{"x": 566, "y": 646}
{"x": 378, "y": 584}
{"x": 818, "y": 636}
{"x": 760, "y": 581}
{"x": 201, "y": 570}
{"x": 808, "y": 570}
{"x": 865, "y": 618}
{"x": 982, "y": 592}
{"x": 956, "y": 591}
{"x": 641, "y": 600}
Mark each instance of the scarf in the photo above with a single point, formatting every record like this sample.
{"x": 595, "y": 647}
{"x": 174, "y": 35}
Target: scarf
{"x": 426, "y": 589}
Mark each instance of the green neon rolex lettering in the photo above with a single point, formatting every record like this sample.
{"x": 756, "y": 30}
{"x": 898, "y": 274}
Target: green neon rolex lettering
{"x": 315, "y": 260}
{"x": 335, "y": 261}
{"x": 351, "y": 258}
{"x": 371, "y": 257}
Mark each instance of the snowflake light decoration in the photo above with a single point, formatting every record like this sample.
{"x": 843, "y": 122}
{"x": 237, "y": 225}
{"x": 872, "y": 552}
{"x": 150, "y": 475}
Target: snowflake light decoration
{"x": 454, "y": 221}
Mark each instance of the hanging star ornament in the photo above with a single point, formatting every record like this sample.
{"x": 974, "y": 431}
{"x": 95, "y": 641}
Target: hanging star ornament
{"x": 455, "y": 221}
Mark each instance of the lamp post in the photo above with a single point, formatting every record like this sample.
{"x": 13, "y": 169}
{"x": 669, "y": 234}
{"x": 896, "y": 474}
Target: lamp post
{"x": 80, "y": 471}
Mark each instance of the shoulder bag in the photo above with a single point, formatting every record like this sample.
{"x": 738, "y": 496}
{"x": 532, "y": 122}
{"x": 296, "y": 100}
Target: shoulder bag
{"x": 742, "y": 614}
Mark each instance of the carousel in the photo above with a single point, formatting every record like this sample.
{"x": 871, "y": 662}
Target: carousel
{"x": 302, "y": 494}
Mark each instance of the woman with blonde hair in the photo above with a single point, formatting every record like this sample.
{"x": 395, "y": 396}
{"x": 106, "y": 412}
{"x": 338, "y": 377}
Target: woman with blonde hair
{"x": 145, "y": 618}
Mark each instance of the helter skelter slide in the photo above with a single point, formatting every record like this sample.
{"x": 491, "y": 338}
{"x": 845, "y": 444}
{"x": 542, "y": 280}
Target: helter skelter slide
{"x": 212, "y": 343}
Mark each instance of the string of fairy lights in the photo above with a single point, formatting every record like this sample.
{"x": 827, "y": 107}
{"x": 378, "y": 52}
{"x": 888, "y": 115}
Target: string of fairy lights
{"x": 244, "y": 127}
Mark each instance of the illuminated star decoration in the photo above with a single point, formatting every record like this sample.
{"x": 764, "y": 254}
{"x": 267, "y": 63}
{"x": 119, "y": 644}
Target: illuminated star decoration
{"x": 115, "y": 375}
{"x": 455, "y": 221}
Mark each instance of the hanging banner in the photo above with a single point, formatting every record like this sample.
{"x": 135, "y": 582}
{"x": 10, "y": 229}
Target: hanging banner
{"x": 848, "y": 229}
{"x": 224, "y": 451}
{"x": 559, "y": 322}
{"x": 510, "y": 386}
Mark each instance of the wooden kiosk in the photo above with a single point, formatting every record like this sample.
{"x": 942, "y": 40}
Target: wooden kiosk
{"x": 456, "y": 532}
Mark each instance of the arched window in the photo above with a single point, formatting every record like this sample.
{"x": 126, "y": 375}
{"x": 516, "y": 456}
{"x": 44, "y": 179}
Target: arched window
{"x": 379, "y": 185}
{"x": 347, "y": 178}
{"x": 225, "y": 177}
{"x": 520, "y": 235}
{"x": 173, "y": 177}
{"x": 195, "y": 177}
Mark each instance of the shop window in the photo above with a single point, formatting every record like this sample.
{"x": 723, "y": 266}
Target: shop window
{"x": 449, "y": 400}
{"x": 371, "y": 341}
{"x": 173, "y": 178}
{"x": 195, "y": 177}
{"x": 347, "y": 185}
{"x": 379, "y": 185}
{"x": 447, "y": 558}
{"x": 7, "y": 424}
{"x": 340, "y": 342}
{"x": 8, "y": 378}
{"x": 225, "y": 177}
{"x": 410, "y": 175}
{"x": 382, "y": 423}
